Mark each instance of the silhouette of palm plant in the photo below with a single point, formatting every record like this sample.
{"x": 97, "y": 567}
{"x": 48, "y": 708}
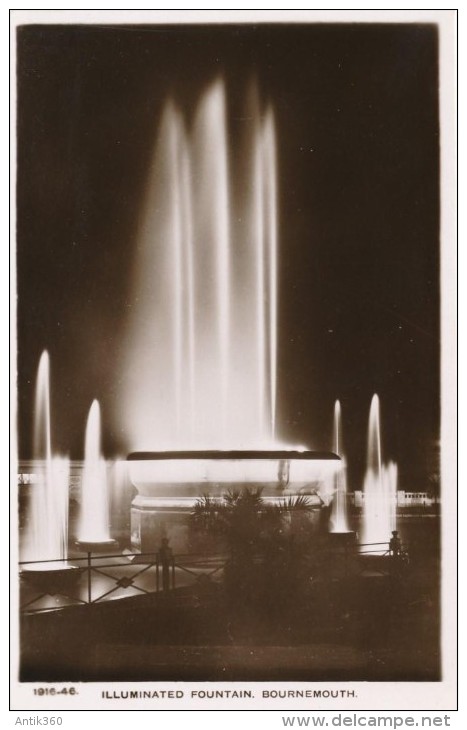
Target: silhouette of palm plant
{"x": 264, "y": 561}
{"x": 244, "y": 520}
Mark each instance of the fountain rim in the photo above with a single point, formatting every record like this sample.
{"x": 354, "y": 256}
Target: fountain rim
{"x": 245, "y": 455}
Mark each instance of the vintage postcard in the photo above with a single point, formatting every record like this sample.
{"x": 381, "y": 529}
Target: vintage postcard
{"x": 235, "y": 279}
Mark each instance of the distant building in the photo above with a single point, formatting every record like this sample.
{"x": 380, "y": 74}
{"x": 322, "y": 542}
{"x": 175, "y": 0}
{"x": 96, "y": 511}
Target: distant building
{"x": 404, "y": 499}
{"x": 412, "y": 499}
{"x": 27, "y": 475}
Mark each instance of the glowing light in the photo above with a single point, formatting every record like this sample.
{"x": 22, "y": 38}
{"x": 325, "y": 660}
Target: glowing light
{"x": 339, "y": 521}
{"x": 94, "y": 513}
{"x": 380, "y": 486}
{"x": 198, "y": 365}
{"x": 163, "y": 474}
{"x": 47, "y": 534}
{"x": 270, "y": 177}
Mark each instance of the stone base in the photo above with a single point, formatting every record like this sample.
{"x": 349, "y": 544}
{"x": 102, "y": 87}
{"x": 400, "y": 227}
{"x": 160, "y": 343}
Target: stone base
{"x": 102, "y": 546}
{"x": 342, "y": 539}
{"x": 51, "y": 579}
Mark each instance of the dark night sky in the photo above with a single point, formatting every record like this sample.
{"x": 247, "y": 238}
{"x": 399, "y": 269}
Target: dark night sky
{"x": 357, "y": 118}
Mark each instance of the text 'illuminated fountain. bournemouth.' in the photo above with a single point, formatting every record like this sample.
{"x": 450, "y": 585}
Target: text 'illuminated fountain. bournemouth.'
{"x": 199, "y": 363}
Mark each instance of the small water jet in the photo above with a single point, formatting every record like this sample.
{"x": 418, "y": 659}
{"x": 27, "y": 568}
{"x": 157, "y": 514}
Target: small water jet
{"x": 47, "y": 534}
{"x": 339, "y": 522}
{"x": 380, "y": 486}
{"x": 94, "y": 519}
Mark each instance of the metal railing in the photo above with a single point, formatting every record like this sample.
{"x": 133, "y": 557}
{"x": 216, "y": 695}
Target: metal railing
{"x": 79, "y": 579}
{"x": 374, "y": 552}
{"x": 65, "y": 577}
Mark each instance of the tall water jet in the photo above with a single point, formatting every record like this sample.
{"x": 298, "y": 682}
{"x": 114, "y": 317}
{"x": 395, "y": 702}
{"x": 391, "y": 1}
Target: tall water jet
{"x": 210, "y": 150}
{"x": 339, "y": 522}
{"x": 258, "y": 220}
{"x": 380, "y": 486}
{"x": 270, "y": 164}
{"x": 189, "y": 283}
{"x": 93, "y": 527}
{"x": 47, "y": 534}
{"x": 264, "y": 223}
{"x": 199, "y": 363}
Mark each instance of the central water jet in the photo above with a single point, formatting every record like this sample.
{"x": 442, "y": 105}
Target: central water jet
{"x": 200, "y": 353}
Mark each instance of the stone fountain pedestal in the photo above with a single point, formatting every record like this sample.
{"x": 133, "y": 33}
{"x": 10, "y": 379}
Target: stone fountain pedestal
{"x": 170, "y": 483}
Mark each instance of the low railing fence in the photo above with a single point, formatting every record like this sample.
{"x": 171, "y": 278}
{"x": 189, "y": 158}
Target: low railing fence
{"x": 95, "y": 578}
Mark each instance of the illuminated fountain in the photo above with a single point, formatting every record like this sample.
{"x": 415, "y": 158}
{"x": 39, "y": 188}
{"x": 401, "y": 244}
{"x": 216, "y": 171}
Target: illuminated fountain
{"x": 94, "y": 527}
{"x": 380, "y": 486}
{"x": 200, "y": 358}
{"x": 47, "y": 533}
{"x": 339, "y": 523}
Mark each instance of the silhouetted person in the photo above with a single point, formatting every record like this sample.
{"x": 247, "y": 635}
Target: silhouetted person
{"x": 165, "y": 557}
{"x": 395, "y": 544}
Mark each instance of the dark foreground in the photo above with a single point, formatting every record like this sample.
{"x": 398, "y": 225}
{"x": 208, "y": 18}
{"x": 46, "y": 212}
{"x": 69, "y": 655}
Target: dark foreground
{"x": 374, "y": 627}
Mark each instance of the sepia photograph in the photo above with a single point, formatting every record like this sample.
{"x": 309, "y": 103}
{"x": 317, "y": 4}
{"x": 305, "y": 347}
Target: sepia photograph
{"x": 229, "y": 396}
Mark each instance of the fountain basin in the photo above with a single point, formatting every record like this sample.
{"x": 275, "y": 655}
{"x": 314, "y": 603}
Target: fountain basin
{"x": 50, "y": 578}
{"x": 192, "y": 473}
{"x": 96, "y": 546}
{"x": 170, "y": 482}
{"x": 343, "y": 539}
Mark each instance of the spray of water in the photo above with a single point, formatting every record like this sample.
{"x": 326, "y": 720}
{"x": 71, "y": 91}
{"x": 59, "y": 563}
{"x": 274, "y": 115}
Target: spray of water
{"x": 380, "y": 486}
{"x": 94, "y": 515}
{"x": 47, "y": 533}
{"x": 339, "y": 522}
{"x": 200, "y": 356}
